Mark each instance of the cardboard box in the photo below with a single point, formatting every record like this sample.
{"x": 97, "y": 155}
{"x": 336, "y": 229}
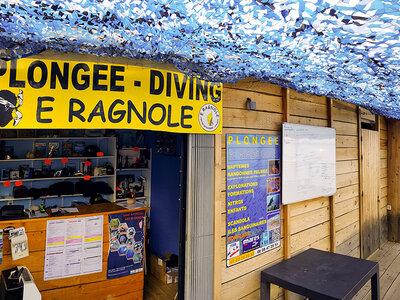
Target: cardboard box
{"x": 158, "y": 268}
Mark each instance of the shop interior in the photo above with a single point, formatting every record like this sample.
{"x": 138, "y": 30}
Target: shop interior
{"x": 45, "y": 172}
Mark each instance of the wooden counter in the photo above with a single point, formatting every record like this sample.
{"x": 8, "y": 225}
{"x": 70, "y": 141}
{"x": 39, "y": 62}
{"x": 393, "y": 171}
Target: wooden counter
{"x": 93, "y": 286}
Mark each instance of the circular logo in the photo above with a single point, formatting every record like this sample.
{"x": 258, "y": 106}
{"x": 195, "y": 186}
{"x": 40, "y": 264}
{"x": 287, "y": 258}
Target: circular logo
{"x": 209, "y": 117}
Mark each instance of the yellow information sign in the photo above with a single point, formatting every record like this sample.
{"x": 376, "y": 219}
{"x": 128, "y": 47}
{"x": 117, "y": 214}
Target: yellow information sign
{"x": 68, "y": 94}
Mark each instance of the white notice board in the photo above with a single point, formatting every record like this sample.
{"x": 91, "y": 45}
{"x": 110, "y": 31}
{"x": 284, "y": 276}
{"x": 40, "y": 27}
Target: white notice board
{"x": 308, "y": 162}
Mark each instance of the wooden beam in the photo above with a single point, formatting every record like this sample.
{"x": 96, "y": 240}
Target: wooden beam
{"x": 378, "y": 204}
{"x": 286, "y": 208}
{"x": 394, "y": 180}
{"x": 332, "y": 215}
{"x": 360, "y": 169}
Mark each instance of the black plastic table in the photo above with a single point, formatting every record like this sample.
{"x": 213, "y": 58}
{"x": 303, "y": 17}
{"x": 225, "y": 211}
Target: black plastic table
{"x": 319, "y": 274}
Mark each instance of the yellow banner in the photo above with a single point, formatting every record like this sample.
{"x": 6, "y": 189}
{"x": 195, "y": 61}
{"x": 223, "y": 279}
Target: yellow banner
{"x": 41, "y": 94}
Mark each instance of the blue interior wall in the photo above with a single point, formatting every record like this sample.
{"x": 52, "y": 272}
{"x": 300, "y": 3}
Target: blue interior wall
{"x": 165, "y": 193}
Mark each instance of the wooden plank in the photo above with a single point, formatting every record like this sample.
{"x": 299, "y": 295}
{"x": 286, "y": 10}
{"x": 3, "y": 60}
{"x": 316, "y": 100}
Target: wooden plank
{"x": 309, "y": 219}
{"x": 383, "y": 134}
{"x": 322, "y": 244}
{"x": 346, "y": 193}
{"x": 346, "y": 166}
{"x": 344, "y": 112}
{"x": 256, "y": 294}
{"x": 252, "y": 119}
{"x": 251, "y": 84}
{"x": 249, "y": 265}
{"x": 344, "y": 128}
{"x": 347, "y": 219}
{"x": 307, "y": 97}
{"x": 308, "y": 121}
{"x": 309, "y": 236}
{"x": 308, "y": 205}
{"x": 99, "y": 290}
{"x": 370, "y": 167}
{"x": 347, "y": 206}
{"x": 237, "y": 99}
{"x": 308, "y": 109}
{"x": 349, "y": 245}
{"x": 394, "y": 179}
{"x": 346, "y": 141}
{"x": 346, "y": 154}
{"x": 383, "y": 153}
{"x": 244, "y": 285}
{"x": 383, "y": 123}
{"x": 367, "y": 116}
{"x": 346, "y": 233}
{"x": 347, "y": 179}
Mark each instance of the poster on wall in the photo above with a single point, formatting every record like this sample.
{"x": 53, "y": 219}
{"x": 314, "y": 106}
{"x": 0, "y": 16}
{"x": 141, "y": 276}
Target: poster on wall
{"x": 125, "y": 255}
{"x": 253, "y": 195}
{"x": 73, "y": 247}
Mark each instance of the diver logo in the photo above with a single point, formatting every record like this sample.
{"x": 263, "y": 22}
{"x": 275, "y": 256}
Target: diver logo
{"x": 209, "y": 117}
{"x": 9, "y": 105}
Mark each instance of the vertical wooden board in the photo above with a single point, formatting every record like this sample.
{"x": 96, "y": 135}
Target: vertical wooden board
{"x": 394, "y": 180}
{"x": 370, "y": 175}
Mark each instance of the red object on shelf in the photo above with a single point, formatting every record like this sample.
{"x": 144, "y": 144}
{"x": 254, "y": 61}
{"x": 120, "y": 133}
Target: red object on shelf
{"x": 88, "y": 163}
{"x": 18, "y": 183}
{"x": 47, "y": 161}
{"x": 86, "y": 177}
{"x": 64, "y": 160}
{"x": 7, "y": 183}
{"x": 100, "y": 154}
{"x": 136, "y": 148}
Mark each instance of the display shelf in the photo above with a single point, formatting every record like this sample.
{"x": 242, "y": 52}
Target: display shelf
{"x": 41, "y": 197}
{"x": 136, "y": 198}
{"x": 133, "y": 169}
{"x": 56, "y": 158}
{"x": 56, "y": 178}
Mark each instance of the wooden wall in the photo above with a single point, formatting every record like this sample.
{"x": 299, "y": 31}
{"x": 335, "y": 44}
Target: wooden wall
{"x": 310, "y": 221}
{"x": 92, "y": 286}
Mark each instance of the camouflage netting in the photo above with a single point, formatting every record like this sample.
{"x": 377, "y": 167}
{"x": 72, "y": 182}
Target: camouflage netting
{"x": 345, "y": 49}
